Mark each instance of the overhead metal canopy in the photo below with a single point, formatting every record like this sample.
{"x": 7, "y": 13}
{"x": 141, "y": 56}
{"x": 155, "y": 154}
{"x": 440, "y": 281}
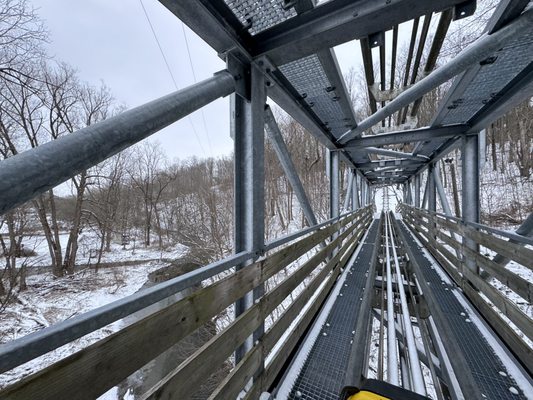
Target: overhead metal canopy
{"x": 292, "y": 42}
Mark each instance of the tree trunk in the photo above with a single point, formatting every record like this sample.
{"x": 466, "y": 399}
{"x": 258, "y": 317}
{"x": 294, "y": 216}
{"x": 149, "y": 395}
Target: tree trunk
{"x": 72, "y": 244}
{"x": 455, "y": 191}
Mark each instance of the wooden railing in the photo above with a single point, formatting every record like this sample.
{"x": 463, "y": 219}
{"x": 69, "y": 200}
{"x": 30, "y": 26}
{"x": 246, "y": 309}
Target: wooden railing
{"x": 94, "y": 370}
{"x": 445, "y": 237}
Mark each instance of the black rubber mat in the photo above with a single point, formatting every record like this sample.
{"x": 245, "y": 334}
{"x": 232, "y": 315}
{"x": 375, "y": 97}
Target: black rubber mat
{"x": 322, "y": 376}
{"x": 486, "y": 367}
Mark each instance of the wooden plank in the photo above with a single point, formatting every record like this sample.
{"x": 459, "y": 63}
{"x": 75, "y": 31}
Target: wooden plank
{"x": 518, "y": 284}
{"x": 514, "y": 251}
{"x": 184, "y": 381}
{"x": 506, "y": 306}
{"x": 517, "y": 345}
{"x": 514, "y": 282}
{"x": 273, "y": 369}
{"x": 233, "y": 384}
{"x": 92, "y": 371}
{"x": 282, "y": 324}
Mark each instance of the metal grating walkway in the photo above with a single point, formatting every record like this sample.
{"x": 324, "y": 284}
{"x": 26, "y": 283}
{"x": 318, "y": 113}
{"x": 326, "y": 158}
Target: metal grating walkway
{"x": 486, "y": 367}
{"x": 323, "y": 373}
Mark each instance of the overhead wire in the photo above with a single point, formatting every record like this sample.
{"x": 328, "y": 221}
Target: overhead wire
{"x": 170, "y": 71}
{"x": 195, "y": 81}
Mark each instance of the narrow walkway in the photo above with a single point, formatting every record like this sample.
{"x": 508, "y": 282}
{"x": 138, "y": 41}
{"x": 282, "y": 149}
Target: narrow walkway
{"x": 323, "y": 373}
{"x": 489, "y": 373}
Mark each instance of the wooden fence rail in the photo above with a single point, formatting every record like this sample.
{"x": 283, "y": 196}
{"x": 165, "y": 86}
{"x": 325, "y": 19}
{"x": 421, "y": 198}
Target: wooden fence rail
{"x": 431, "y": 229}
{"x": 94, "y": 370}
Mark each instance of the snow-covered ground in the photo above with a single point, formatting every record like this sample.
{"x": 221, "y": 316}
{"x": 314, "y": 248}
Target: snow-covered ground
{"x": 48, "y": 301}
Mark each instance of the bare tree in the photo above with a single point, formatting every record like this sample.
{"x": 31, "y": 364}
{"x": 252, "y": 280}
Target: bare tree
{"x": 21, "y": 36}
{"x": 150, "y": 178}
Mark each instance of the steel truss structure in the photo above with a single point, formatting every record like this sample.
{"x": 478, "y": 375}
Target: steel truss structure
{"x": 282, "y": 50}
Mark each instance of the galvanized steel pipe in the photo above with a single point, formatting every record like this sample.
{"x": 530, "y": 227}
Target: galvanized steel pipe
{"x": 35, "y": 171}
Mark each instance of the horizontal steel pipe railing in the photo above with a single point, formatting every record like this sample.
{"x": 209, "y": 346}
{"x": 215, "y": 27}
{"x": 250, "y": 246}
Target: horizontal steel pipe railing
{"x": 32, "y": 172}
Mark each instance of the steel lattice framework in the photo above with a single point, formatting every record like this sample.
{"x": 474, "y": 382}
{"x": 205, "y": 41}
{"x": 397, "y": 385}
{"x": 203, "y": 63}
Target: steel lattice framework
{"x": 282, "y": 50}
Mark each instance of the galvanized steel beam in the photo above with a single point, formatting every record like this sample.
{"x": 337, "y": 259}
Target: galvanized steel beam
{"x": 336, "y": 22}
{"x": 248, "y": 126}
{"x": 470, "y": 191}
{"x": 348, "y": 196}
{"x": 280, "y": 148}
{"x": 393, "y": 153}
{"x": 476, "y": 52}
{"x": 409, "y": 136}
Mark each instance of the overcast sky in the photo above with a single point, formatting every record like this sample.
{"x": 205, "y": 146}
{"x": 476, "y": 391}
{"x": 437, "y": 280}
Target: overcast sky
{"x": 111, "y": 41}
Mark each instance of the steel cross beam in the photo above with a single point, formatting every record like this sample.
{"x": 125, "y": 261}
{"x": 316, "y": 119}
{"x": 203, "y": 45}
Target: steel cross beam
{"x": 476, "y": 52}
{"x": 393, "y": 153}
{"x": 337, "y": 22}
{"x": 409, "y": 136}
{"x": 215, "y": 23}
{"x": 400, "y": 162}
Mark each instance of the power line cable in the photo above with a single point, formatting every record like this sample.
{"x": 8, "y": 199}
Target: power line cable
{"x": 170, "y": 71}
{"x": 195, "y": 81}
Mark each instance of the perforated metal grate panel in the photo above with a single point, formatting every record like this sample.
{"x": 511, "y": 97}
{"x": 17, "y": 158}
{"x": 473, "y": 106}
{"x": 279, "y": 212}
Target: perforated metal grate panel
{"x": 323, "y": 374}
{"x": 260, "y": 14}
{"x": 492, "y": 78}
{"x": 484, "y": 364}
{"x": 308, "y": 77}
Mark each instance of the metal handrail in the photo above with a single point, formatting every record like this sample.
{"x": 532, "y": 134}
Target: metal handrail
{"x": 36, "y": 344}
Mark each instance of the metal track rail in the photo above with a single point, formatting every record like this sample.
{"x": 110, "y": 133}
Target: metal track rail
{"x": 321, "y": 376}
{"x": 482, "y": 364}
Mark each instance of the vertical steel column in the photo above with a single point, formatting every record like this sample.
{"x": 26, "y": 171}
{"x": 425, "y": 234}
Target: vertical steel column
{"x": 247, "y": 125}
{"x": 363, "y": 193}
{"x": 431, "y": 189}
{"x": 355, "y": 192}
{"x": 470, "y": 192}
{"x": 444, "y": 200}
{"x": 348, "y": 196}
{"x": 432, "y": 199}
{"x": 417, "y": 191}
{"x": 333, "y": 172}
{"x": 425, "y": 197}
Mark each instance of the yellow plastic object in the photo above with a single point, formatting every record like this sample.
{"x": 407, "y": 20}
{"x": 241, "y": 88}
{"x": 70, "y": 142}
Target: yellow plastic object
{"x": 364, "y": 395}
